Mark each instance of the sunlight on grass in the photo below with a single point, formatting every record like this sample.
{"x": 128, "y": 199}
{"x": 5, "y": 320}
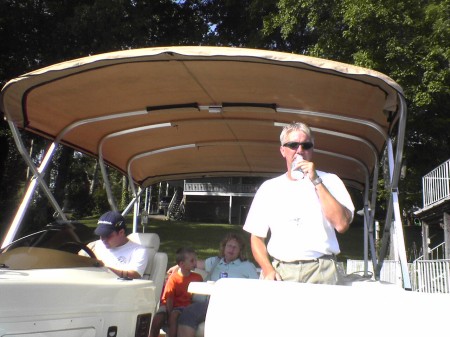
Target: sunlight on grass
{"x": 203, "y": 237}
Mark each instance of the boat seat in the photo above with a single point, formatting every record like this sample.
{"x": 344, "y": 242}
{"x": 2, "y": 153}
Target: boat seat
{"x": 200, "y": 332}
{"x": 202, "y": 272}
{"x": 157, "y": 261}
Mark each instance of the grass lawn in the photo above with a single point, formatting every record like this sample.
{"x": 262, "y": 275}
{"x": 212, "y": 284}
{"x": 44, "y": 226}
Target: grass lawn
{"x": 205, "y": 237}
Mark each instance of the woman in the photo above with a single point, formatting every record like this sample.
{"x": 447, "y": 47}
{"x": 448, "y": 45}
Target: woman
{"x": 231, "y": 262}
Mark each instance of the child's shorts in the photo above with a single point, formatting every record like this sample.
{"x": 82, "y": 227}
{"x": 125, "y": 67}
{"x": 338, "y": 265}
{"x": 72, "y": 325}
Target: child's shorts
{"x": 162, "y": 309}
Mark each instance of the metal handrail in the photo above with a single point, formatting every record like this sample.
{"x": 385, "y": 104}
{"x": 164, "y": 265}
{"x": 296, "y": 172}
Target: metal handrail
{"x": 431, "y": 276}
{"x": 220, "y": 187}
{"x": 440, "y": 248}
{"x": 436, "y": 184}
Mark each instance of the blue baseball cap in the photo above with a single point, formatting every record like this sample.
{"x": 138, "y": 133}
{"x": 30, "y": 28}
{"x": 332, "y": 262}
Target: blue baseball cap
{"x": 109, "y": 222}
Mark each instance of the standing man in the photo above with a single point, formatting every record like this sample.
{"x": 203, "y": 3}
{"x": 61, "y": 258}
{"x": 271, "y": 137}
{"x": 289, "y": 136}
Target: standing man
{"x": 302, "y": 216}
{"x": 125, "y": 258}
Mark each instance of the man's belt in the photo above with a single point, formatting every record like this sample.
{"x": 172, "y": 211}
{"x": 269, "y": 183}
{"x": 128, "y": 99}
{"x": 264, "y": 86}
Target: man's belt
{"x": 323, "y": 257}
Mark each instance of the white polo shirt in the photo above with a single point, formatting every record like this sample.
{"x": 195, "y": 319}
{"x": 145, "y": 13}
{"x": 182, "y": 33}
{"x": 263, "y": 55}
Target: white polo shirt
{"x": 293, "y": 213}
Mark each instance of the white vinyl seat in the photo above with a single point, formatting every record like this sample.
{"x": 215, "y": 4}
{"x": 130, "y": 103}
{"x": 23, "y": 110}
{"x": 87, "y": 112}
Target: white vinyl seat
{"x": 202, "y": 272}
{"x": 200, "y": 332}
{"x": 157, "y": 261}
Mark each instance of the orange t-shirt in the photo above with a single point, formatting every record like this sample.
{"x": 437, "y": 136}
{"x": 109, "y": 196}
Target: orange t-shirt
{"x": 177, "y": 286}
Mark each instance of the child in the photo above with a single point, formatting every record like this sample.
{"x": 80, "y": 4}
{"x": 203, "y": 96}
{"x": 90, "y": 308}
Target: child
{"x": 175, "y": 295}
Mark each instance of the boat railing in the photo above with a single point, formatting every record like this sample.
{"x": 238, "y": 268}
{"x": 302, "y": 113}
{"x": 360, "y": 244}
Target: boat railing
{"x": 220, "y": 188}
{"x": 389, "y": 272}
{"x": 431, "y": 276}
{"x": 435, "y": 253}
{"x": 436, "y": 184}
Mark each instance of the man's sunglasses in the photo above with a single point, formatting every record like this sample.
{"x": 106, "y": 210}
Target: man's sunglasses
{"x": 295, "y": 145}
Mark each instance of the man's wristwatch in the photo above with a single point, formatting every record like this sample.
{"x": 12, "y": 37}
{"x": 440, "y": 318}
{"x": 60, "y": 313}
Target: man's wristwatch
{"x": 317, "y": 181}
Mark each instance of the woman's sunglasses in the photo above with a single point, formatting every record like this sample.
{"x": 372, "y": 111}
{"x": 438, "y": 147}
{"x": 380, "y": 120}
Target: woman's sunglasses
{"x": 295, "y": 145}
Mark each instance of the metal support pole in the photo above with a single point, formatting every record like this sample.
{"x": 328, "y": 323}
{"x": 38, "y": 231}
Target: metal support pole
{"x": 229, "y": 209}
{"x": 425, "y": 241}
{"x": 366, "y": 243}
{"x": 401, "y": 244}
{"x": 393, "y": 209}
{"x": 149, "y": 206}
{"x": 107, "y": 183}
{"x": 136, "y": 210}
{"x": 37, "y": 178}
{"x": 446, "y": 217}
{"x": 370, "y": 237}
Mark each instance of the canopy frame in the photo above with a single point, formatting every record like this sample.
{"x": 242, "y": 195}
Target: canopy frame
{"x": 214, "y": 101}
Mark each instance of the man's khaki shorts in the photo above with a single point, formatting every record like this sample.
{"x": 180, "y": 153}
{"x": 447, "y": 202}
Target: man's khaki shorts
{"x": 322, "y": 271}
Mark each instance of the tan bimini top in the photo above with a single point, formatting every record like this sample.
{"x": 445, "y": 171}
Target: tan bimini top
{"x": 160, "y": 114}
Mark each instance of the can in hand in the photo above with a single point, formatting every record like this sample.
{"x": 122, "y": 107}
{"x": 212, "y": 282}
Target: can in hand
{"x": 297, "y": 173}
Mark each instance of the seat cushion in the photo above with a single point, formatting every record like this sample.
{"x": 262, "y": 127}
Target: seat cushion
{"x": 151, "y": 242}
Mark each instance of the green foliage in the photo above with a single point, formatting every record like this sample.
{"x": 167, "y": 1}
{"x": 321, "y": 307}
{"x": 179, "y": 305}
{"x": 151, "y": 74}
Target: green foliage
{"x": 125, "y": 197}
{"x": 100, "y": 201}
{"x": 77, "y": 195}
{"x": 241, "y": 23}
{"x": 407, "y": 40}
{"x": 38, "y": 33}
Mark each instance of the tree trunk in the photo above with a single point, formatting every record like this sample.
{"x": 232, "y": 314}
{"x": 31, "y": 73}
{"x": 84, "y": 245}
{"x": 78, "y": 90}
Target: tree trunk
{"x": 94, "y": 181}
{"x": 62, "y": 166}
{"x": 125, "y": 193}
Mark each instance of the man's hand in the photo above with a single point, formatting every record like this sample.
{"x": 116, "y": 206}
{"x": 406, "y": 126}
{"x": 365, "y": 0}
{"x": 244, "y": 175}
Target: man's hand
{"x": 125, "y": 274}
{"x": 172, "y": 270}
{"x": 272, "y": 276}
{"x": 261, "y": 256}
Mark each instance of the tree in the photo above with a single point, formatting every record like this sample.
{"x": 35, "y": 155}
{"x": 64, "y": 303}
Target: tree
{"x": 36, "y": 33}
{"x": 408, "y": 40}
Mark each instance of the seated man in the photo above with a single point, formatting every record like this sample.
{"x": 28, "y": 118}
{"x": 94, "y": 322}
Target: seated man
{"x": 175, "y": 296}
{"x": 125, "y": 258}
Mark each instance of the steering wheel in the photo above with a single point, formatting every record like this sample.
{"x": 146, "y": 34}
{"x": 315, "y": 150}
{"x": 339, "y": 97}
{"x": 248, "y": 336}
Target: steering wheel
{"x": 78, "y": 246}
